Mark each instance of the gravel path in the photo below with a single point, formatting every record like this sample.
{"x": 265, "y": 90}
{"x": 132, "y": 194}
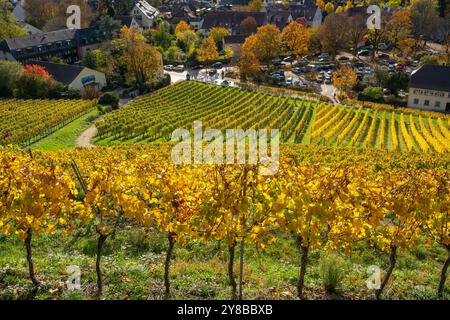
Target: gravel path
{"x": 84, "y": 140}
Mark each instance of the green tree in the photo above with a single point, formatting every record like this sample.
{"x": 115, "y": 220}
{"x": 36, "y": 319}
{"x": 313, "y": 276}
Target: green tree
{"x": 161, "y": 36}
{"x": 397, "y": 81}
{"x": 96, "y": 59}
{"x": 108, "y": 27}
{"x": 9, "y": 74}
{"x": 9, "y": 28}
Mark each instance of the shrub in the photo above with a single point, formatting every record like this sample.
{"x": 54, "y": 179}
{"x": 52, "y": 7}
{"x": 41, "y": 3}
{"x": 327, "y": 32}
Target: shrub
{"x": 331, "y": 271}
{"x": 109, "y": 99}
{"x": 35, "y": 82}
{"x": 89, "y": 93}
{"x": 374, "y": 94}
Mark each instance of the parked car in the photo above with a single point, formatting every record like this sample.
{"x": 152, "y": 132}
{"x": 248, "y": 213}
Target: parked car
{"x": 382, "y": 46}
{"x": 360, "y": 70}
{"x": 217, "y": 65}
{"x": 225, "y": 83}
{"x": 363, "y": 52}
{"x": 289, "y": 81}
{"x": 276, "y": 62}
{"x": 288, "y": 59}
{"x": 296, "y": 70}
{"x": 343, "y": 58}
{"x": 298, "y": 83}
{"x": 178, "y": 68}
{"x": 278, "y": 76}
{"x": 328, "y": 80}
{"x": 168, "y": 67}
{"x": 399, "y": 67}
{"x": 368, "y": 70}
{"x": 319, "y": 79}
{"x": 383, "y": 56}
{"x": 391, "y": 67}
{"x": 212, "y": 72}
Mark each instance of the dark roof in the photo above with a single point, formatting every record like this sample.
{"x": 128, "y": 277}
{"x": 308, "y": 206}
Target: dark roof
{"x": 37, "y": 39}
{"x": 239, "y": 38}
{"x": 430, "y": 76}
{"x": 124, "y": 20}
{"x": 307, "y": 11}
{"x": 280, "y": 18}
{"x": 64, "y": 73}
{"x": 234, "y": 2}
{"x": 40, "y": 39}
{"x": 231, "y": 19}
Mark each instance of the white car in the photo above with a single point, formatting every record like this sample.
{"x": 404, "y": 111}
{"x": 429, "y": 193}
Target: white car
{"x": 168, "y": 67}
{"x": 289, "y": 81}
{"x": 368, "y": 70}
{"x": 178, "y": 68}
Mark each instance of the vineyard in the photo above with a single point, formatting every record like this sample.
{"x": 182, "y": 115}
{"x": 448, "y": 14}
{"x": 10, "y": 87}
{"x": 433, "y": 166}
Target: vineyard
{"x": 154, "y": 117}
{"x": 27, "y": 121}
{"x": 184, "y": 230}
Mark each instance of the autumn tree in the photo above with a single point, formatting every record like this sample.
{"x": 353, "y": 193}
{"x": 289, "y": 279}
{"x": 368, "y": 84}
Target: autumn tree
{"x": 248, "y": 26}
{"x": 266, "y": 43}
{"x": 356, "y": 29}
{"x": 344, "y": 78}
{"x": 295, "y": 37}
{"x": 333, "y": 34}
{"x": 314, "y": 44}
{"x": 51, "y": 14}
{"x": 248, "y": 62}
{"x": 255, "y": 6}
{"x": 140, "y": 59}
{"x": 320, "y": 4}
{"x": 424, "y": 17}
{"x": 181, "y": 27}
{"x": 348, "y": 5}
{"x": 398, "y": 29}
{"x": 218, "y": 33}
{"x": 375, "y": 37}
{"x": 207, "y": 52}
{"x": 329, "y": 7}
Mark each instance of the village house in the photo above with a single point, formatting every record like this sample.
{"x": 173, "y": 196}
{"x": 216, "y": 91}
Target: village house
{"x": 70, "y": 45}
{"x": 144, "y": 14}
{"x": 429, "y": 88}
{"x": 73, "y": 76}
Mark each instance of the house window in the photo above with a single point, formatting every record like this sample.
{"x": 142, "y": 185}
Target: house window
{"x": 426, "y": 103}
{"x": 437, "y": 104}
{"x": 416, "y": 101}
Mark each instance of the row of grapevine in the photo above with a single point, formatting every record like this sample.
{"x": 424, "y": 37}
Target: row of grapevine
{"x": 27, "y": 121}
{"x": 331, "y": 205}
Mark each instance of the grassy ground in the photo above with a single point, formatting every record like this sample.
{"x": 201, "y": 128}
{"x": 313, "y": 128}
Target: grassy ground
{"x": 66, "y": 136}
{"x": 133, "y": 267}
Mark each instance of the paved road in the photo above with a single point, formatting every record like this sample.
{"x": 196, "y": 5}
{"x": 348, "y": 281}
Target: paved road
{"x": 329, "y": 90}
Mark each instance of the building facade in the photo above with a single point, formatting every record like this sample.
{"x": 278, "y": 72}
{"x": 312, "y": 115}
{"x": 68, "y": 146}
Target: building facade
{"x": 144, "y": 14}
{"x": 429, "y": 88}
{"x": 68, "y": 45}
